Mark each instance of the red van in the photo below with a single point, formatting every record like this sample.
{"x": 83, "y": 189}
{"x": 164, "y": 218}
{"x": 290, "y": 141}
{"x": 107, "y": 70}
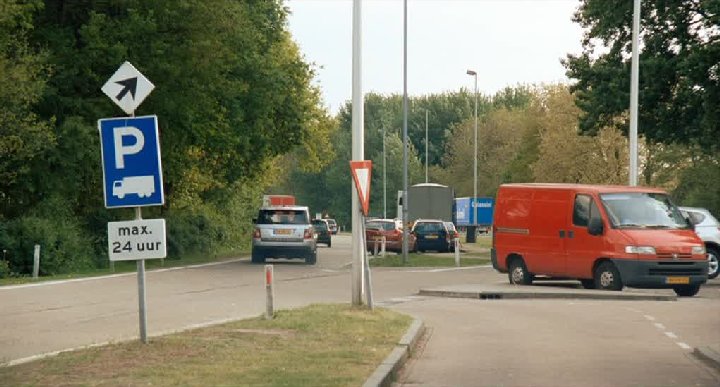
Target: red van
{"x": 605, "y": 236}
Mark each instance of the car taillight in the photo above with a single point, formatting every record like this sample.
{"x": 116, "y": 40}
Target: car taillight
{"x": 308, "y": 233}
{"x": 256, "y": 233}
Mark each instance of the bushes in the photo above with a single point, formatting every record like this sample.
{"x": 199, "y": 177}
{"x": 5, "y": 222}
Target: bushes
{"x": 64, "y": 246}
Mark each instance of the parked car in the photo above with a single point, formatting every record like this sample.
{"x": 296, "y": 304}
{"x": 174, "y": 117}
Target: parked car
{"x": 333, "y": 226}
{"x": 322, "y": 230}
{"x": 452, "y": 234}
{"x": 391, "y": 229}
{"x": 707, "y": 228}
{"x": 284, "y": 232}
{"x": 431, "y": 234}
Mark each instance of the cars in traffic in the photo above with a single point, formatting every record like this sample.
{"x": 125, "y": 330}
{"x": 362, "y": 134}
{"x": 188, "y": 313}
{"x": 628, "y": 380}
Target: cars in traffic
{"x": 391, "y": 229}
{"x": 431, "y": 234}
{"x": 284, "y": 232}
{"x": 707, "y": 228}
{"x": 333, "y": 225}
{"x": 322, "y": 232}
{"x": 607, "y": 237}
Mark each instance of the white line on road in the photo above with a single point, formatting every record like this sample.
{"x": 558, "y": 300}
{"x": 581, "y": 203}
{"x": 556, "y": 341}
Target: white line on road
{"x": 59, "y": 282}
{"x": 651, "y": 318}
{"x": 683, "y": 345}
{"x": 660, "y": 326}
{"x": 671, "y": 335}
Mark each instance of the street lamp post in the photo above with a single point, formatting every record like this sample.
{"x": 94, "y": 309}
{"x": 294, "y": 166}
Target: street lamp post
{"x": 384, "y": 178}
{"x": 471, "y": 229}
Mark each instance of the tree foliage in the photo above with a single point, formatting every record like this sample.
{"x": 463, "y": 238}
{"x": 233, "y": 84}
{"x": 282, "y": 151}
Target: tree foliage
{"x": 232, "y": 94}
{"x": 679, "y": 69}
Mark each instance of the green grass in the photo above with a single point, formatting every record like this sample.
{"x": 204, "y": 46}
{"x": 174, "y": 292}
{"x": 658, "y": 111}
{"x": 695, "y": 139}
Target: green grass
{"x": 320, "y": 345}
{"x": 430, "y": 260}
{"x": 128, "y": 266}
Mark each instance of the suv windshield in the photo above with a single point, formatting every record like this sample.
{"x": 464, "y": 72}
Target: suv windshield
{"x": 642, "y": 210}
{"x": 282, "y": 217}
{"x": 320, "y": 225}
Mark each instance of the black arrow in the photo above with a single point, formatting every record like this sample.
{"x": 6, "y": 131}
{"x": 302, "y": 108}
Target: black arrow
{"x": 130, "y": 85}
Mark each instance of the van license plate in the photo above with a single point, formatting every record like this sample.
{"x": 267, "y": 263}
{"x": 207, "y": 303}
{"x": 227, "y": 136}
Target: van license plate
{"x": 283, "y": 231}
{"x": 431, "y": 237}
{"x": 677, "y": 280}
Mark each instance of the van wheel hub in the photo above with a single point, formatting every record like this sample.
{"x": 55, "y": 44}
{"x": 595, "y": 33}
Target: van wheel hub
{"x": 606, "y": 279}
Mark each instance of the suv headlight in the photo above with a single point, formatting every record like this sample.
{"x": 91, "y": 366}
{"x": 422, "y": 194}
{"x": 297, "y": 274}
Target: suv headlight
{"x": 640, "y": 250}
{"x": 698, "y": 249}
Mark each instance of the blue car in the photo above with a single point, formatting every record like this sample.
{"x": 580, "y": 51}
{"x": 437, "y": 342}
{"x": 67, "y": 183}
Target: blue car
{"x": 431, "y": 235}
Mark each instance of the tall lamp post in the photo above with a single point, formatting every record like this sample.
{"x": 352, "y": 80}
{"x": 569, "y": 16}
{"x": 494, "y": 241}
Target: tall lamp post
{"x": 471, "y": 229}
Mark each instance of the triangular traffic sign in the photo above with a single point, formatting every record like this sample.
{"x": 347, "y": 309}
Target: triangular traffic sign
{"x": 361, "y": 175}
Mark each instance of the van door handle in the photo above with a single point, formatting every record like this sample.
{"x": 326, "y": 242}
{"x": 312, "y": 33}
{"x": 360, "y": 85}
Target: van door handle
{"x": 571, "y": 234}
{"x": 562, "y": 233}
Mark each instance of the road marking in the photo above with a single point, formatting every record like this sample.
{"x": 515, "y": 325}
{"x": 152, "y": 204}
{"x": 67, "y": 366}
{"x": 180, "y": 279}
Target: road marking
{"x": 671, "y": 335}
{"x": 651, "y": 318}
{"x": 446, "y": 269}
{"x": 683, "y": 345}
{"x": 59, "y": 282}
{"x": 660, "y": 326}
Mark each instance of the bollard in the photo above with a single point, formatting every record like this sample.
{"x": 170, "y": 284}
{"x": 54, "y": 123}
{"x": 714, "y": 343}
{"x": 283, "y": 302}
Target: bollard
{"x": 36, "y": 262}
{"x": 382, "y": 246}
{"x": 375, "y": 246}
{"x": 457, "y": 252}
{"x": 269, "y": 299}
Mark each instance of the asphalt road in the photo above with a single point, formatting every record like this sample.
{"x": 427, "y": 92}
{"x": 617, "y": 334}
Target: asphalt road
{"x": 470, "y": 342}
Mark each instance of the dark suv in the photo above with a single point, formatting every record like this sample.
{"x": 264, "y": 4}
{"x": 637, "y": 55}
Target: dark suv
{"x": 284, "y": 232}
{"x": 322, "y": 231}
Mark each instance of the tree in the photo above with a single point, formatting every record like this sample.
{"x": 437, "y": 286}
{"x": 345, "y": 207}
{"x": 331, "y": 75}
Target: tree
{"x": 24, "y": 137}
{"x": 679, "y": 69}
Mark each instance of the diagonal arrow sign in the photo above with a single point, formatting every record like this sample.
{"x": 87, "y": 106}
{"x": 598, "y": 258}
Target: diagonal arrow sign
{"x": 129, "y": 85}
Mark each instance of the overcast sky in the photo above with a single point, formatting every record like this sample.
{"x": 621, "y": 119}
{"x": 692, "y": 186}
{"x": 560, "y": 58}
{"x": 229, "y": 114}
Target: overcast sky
{"x": 508, "y": 42}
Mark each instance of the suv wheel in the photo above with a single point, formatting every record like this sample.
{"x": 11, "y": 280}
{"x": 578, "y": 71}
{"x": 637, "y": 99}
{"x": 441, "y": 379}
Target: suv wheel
{"x": 687, "y": 290}
{"x": 311, "y": 259}
{"x": 257, "y": 257}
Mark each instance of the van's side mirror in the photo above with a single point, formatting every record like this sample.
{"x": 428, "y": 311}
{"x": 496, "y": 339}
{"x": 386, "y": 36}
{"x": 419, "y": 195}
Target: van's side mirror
{"x": 596, "y": 226}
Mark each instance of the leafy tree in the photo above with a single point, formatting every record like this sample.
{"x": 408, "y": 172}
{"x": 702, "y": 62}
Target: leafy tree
{"x": 679, "y": 69}
{"x": 24, "y": 136}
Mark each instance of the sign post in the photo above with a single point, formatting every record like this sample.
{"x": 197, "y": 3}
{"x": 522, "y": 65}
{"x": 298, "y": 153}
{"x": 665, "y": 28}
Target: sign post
{"x": 361, "y": 172}
{"x": 132, "y": 177}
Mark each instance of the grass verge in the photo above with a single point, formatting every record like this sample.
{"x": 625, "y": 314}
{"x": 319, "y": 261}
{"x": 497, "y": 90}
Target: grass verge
{"x": 429, "y": 260}
{"x": 319, "y": 345}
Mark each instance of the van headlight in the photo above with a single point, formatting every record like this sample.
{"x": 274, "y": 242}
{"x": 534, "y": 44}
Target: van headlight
{"x": 640, "y": 250}
{"x": 698, "y": 249}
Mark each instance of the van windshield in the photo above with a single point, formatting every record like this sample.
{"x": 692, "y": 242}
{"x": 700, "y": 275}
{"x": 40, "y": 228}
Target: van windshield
{"x": 642, "y": 210}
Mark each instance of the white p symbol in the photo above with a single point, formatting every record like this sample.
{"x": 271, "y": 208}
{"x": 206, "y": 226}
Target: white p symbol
{"x": 120, "y": 150}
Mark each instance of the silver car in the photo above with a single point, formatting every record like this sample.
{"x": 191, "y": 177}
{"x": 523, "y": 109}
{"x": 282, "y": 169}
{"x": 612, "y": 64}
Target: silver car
{"x": 284, "y": 232}
{"x": 708, "y": 229}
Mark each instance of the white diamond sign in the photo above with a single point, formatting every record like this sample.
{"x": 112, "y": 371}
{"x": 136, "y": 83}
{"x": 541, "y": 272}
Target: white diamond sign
{"x": 128, "y": 88}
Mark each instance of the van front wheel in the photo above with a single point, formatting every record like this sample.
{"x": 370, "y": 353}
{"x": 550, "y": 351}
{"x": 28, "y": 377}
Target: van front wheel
{"x": 687, "y": 290}
{"x": 607, "y": 277}
{"x": 518, "y": 273}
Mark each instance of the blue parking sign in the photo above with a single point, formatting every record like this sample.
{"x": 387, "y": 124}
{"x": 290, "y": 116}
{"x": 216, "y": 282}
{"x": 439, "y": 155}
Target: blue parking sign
{"x": 132, "y": 172}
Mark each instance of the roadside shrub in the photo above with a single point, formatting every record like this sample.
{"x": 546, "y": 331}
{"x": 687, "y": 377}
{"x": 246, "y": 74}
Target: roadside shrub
{"x": 4, "y": 269}
{"x": 64, "y": 247}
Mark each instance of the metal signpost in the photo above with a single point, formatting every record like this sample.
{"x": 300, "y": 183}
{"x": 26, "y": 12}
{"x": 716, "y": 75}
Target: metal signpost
{"x": 132, "y": 177}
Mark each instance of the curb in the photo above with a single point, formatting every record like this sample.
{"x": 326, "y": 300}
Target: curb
{"x": 709, "y": 355}
{"x": 385, "y": 373}
{"x": 503, "y": 294}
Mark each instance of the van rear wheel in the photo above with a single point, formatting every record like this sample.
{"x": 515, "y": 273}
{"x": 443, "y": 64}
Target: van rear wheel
{"x": 518, "y": 273}
{"x": 607, "y": 277}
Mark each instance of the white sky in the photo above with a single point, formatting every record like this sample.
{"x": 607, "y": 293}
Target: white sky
{"x": 508, "y": 42}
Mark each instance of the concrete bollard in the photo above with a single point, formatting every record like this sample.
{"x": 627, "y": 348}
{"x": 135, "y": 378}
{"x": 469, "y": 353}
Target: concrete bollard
{"x": 36, "y": 262}
{"x": 376, "y": 245}
{"x": 382, "y": 246}
{"x": 457, "y": 252}
{"x": 269, "y": 299}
